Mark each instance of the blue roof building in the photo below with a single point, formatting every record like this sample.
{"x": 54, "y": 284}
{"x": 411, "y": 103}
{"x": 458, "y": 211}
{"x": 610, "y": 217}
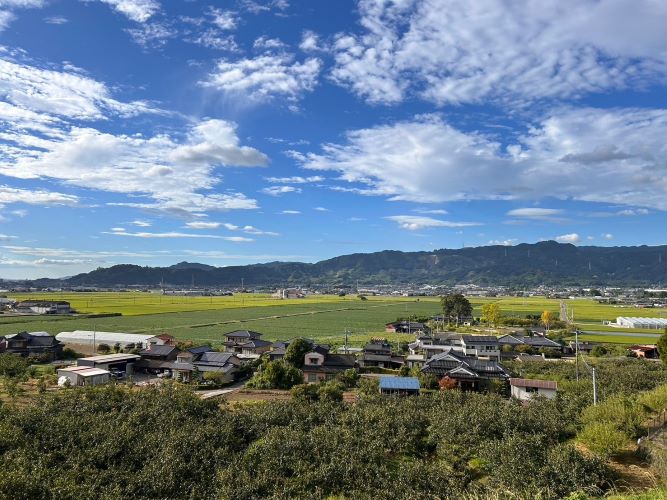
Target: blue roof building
{"x": 402, "y": 386}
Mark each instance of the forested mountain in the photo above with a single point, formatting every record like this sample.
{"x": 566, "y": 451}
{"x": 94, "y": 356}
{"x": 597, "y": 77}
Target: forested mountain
{"x": 546, "y": 262}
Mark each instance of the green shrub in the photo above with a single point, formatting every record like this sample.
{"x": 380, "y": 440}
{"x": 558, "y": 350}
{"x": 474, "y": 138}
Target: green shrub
{"x": 603, "y": 438}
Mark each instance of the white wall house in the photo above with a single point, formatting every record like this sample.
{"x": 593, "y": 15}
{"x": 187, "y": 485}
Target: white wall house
{"x": 525, "y": 389}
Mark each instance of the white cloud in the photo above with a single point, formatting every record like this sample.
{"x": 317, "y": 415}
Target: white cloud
{"x": 321, "y": 209}
{"x": 6, "y": 237}
{"x": 138, "y": 11}
{"x": 6, "y": 17}
{"x": 630, "y": 212}
{"x": 10, "y": 195}
{"x": 310, "y": 42}
{"x": 416, "y": 223}
{"x": 56, "y": 20}
{"x": 170, "y": 172}
{"x": 266, "y": 76}
{"x": 435, "y": 211}
{"x": 141, "y": 223}
{"x": 231, "y": 227}
{"x": 428, "y": 161}
{"x": 258, "y": 232}
{"x": 260, "y": 6}
{"x": 568, "y": 238}
{"x": 267, "y": 43}
{"x": 202, "y": 225}
{"x": 223, "y": 19}
{"x": 117, "y": 231}
{"x": 29, "y": 89}
{"x": 290, "y": 212}
{"x": 295, "y": 179}
{"x": 535, "y": 213}
{"x": 152, "y": 35}
{"x": 506, "y": 243}
{"x": 464, "y": 52}
{"x": 608, "y": 236}
{"x": 280, "y": 190}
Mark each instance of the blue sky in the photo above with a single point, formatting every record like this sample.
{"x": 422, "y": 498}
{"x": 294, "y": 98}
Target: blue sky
{"x": 244, "y": 131}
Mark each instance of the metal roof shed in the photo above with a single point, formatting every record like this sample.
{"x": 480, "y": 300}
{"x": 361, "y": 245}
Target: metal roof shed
{"x": 399, "y": 385}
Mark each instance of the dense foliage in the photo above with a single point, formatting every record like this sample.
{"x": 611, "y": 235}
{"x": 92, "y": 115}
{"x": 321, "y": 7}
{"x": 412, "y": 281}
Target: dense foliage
{"x": 166, "y": 443}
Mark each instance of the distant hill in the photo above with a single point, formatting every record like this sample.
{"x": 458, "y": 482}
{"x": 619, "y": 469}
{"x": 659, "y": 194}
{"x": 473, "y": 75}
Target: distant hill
{"x": 522, "y": 265}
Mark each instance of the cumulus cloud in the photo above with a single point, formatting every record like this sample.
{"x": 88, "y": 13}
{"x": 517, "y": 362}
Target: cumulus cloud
{"x": 608, "y": 236}
{"x": 428, "y": 160}
{"x": 170, "y": 171}
{"x": 416, "y": 223}
{"x": 568, "y": 238}
{"x": 310, "y": 42}
{"x": 266, "y": 76}
{"x": 465, "y": 52}
{"x": 9, "y": 195}
{"x": 139, "y": 11}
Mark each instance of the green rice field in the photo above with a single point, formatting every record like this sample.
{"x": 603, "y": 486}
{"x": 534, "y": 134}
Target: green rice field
{"x": 323, "y": 317}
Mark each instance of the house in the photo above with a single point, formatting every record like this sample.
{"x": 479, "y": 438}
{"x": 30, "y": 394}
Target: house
{"x": 407, "y": 327}
{"x": 156, "y": 358}
{"x": 647, "y": 351}
{"x": 584, "y": 347}
{"x": 468, "y": 372}
{"x": 31, "y": 344}
{"x": 254, "y": 346}
{"x": 288, "y": 293}
{"x": 378, "y": 354}
{"x": 399, "y": 386}
{"x": 77, "y": 376}
{"x": 319, "y": 366}
{"x": 536, "y": 342}
{"x": 43, "y": 307}
{"x": 163, "y": 339}
{"x": 481, "y": 346}
{"x": 279, "y": 348}
{"x": 192, "y": 363}
{"x": 525, "y": 389}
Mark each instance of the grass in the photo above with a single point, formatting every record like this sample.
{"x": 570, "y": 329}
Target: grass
{"x": 324, "y": 317}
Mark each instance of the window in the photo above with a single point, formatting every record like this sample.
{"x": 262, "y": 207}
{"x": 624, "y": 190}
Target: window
{"x": 531, "y": 389}
{"x": 313, "y": 361}
{"x": 312, "y": 377}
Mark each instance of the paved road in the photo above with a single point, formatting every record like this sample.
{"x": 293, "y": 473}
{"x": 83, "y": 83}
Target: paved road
{"x": 620, "y": 334}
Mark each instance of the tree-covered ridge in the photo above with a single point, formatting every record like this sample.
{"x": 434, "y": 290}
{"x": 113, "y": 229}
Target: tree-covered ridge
{"x": 521, "y": 265}
{"x": 112, "y": 442}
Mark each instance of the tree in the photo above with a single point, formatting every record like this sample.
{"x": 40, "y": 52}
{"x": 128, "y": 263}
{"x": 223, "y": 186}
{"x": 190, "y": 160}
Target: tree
{"x": 598, "y": 351}
{"x": 349, "y": 378}
{"x": 547, "y": 319}
{"x": 276, "y": 375}
{"x": 491, "y": 313}
{"x": 447, "y": 384}
{"x": 662, "y": 346}
{"x": 103, "y": 348}
{"x": 296, "y": 352}
{"x": 455, "y": 307}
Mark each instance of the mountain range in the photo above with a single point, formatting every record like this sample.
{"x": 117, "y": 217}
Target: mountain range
{"x": 524, "y": 265}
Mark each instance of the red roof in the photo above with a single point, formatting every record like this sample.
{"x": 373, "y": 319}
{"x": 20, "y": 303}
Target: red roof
{"x": 529, "y": 382}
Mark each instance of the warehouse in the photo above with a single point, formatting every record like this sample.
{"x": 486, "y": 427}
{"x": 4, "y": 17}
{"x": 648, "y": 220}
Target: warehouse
{"x": 87, "y": 337}
{"x": 648, "y": 323}
{"x": 82, "y": 375}
{"x": 115, "y": 363}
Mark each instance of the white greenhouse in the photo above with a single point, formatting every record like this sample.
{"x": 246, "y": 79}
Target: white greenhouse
{"x": 648, "y": 323}
{"x": 88, "y": 337}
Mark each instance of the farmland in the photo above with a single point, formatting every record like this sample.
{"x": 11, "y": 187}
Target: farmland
{"x": 325, "y": 317}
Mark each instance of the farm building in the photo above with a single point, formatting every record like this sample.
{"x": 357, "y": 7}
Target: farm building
{"x": 111, "y": 362}
{"x": 648, "y": 351}
{"x": 43, "y": 307}
{"x": 399, "y": 386}
{"x": 83, "y": 375}
{"x": 524, "y": 389}
{"x": 87, "y": 337}
{"x": 648, "y": 323}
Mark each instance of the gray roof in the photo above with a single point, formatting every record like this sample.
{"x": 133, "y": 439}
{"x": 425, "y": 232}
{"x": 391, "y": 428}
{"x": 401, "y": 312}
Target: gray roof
{"x": 479, "y": 339}
{"x": 243, "y": 334}
{"x": 158, "y": 350}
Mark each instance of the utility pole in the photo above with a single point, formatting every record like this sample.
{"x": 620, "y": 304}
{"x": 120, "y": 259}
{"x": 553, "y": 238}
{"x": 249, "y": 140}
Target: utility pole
{"x": 576, "y": 351}
{"x": 595, "y": 390}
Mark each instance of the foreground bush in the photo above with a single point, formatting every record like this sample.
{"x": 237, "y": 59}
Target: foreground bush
{"x": 603, "y": 438}
{"x": 113, "y": 442}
